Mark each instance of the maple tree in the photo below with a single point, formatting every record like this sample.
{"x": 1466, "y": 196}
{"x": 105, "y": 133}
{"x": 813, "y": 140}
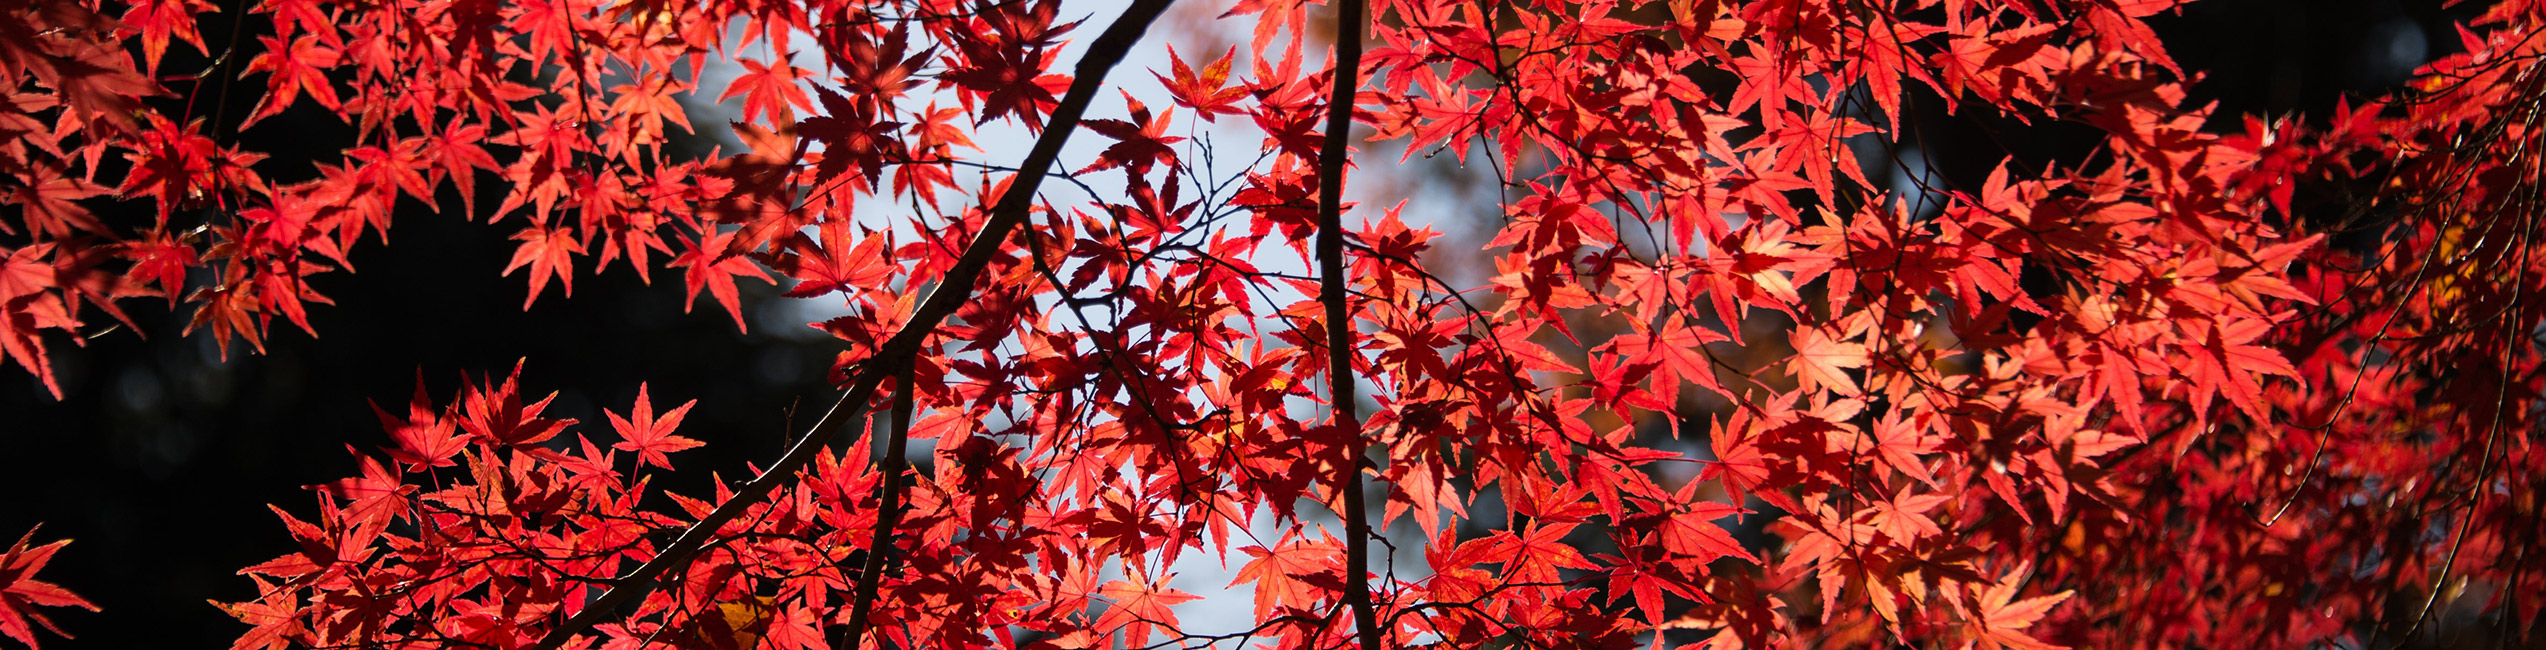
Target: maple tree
{"x": 2119, "y": 398}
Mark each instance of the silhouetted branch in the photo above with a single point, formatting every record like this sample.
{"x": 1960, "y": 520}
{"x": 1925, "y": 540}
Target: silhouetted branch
{"x": 896, "y": 354}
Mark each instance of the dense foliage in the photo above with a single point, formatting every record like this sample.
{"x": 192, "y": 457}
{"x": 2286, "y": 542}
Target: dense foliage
{"x": 2212, "y": 380}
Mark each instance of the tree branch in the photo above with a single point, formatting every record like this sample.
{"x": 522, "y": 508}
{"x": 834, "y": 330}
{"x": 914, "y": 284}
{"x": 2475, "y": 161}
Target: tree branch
{"x": 1331, "y": 157}
{"x": 888, "y": 514}
{"x": 953, "y": 289}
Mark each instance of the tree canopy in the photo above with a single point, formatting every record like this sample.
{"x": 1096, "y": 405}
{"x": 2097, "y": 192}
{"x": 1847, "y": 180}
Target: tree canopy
{"x": 1731, "y": 362}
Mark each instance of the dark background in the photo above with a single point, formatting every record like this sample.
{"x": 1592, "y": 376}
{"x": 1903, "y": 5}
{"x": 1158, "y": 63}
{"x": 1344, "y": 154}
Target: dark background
{"x": 161, "y": 457}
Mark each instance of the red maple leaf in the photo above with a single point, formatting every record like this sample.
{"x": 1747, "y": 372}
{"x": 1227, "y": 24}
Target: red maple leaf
{"x": 1820, "y": 360}
{"x": 161, "y": 20}
{"x": 768, "y": 89}
{"x": 549, "y": 252}
{"x": 1290, "y": 574}
{"x": 851, "y": 134}
{"x": 1007, "y": 77}
{"x": 1140, "y": 604}
{"x": 2002, "y": 618}
{"x": 496, "y": 415}
{"x": 1693, "y": 533}
{"x": 1677, "y": 353}
{"x": 21, "y": 593}
{"x": 648, "y": 436}
{"x": 1138, "y": 145}
{"x": 299, "y": 67}
{"x": 1206, "y": 93}
{"x": 704, "y": 266}
{"x": 425, "y": 439}
{"x": 456, "y": 156}
{"x": 835, "y": 263}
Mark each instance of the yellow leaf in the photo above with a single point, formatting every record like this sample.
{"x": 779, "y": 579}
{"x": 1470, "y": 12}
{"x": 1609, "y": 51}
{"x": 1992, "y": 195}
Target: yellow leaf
{"x": 736, "y": 625}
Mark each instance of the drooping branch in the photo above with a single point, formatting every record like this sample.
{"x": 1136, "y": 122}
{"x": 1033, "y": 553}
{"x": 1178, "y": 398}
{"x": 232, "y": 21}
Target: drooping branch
{"x": 1331, "y": 157}
{"x": 953, "y": 289}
